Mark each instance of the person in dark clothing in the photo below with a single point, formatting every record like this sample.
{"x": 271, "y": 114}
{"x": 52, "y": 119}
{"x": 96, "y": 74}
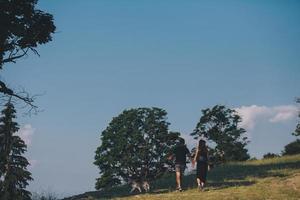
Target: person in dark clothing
{"x": 201, "y": 157}
{"x": 180, "y": 153}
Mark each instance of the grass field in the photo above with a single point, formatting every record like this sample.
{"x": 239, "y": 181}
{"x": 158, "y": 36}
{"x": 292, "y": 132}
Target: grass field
{"x": 277, "y": 178}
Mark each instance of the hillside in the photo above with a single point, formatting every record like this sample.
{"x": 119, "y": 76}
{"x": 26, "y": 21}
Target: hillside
{"x": 277, "y": 178}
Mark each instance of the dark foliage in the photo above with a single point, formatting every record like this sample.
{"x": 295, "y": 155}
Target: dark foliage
{"x": 219, "y": 126}
{"x": 270, "y": 155}
{"x": 22, "y": 29}
{"x": 14, "y": 176}
{"x": 134, "y": 146}
{"x": 292, "y": 148}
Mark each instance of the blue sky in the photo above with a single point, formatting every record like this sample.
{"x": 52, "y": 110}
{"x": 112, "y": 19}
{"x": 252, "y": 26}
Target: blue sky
{"x": 182, "y": 56}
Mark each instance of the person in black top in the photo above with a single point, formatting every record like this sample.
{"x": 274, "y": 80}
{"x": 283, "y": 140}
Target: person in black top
{"x": 180, "y": 153}
{"x": 201, "y": 157}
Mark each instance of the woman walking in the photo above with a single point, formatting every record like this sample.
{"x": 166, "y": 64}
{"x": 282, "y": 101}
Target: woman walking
{"x": 201, "y": 157}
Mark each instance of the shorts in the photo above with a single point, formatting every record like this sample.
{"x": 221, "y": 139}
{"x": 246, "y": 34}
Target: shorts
{"x": 180, "y": 168}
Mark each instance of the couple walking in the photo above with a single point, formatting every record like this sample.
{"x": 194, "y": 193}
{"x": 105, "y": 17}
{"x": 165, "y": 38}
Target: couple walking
{"x": 180, "y": 153}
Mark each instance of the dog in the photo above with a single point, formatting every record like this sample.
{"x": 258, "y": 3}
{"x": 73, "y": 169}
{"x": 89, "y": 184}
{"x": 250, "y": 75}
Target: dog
{"x": 139, "y": 185}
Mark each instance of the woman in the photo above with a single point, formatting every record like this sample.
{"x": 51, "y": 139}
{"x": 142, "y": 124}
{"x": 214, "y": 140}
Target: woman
{"x": 201, "y": 158}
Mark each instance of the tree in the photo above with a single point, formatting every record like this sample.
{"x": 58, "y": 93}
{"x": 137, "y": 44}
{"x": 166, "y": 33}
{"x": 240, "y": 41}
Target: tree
{"x": 297, "y": 131}
{"x": 134, "y": 146}
{"x": 219, "y": 126}
{"x": 22, "y": 29}
{"x": 14, "y": 176}
{"x": 292, "y": 148}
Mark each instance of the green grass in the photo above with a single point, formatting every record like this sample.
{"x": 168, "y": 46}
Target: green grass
{"x": 277, "y": 178}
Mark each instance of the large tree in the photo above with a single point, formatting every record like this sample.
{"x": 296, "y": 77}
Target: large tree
{"x": 14, "y": 176}
{"x": 134, "y": 146}
{"x": 219, "y": 125}
{"x": 22, "y": 29}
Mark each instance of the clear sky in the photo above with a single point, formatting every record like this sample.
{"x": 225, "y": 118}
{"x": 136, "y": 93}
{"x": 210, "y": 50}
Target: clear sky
{"x": 182, "y": 56}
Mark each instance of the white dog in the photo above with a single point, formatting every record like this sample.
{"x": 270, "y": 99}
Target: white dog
{"x": 140, "y": 184}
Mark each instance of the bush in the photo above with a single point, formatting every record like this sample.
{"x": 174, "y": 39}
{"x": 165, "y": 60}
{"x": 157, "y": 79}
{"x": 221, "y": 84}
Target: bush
{"x": 44, "y": 196}
{"x": 292, "y": 148}
{"x": 253, "y": 158}
{"x": 270, "y": 155}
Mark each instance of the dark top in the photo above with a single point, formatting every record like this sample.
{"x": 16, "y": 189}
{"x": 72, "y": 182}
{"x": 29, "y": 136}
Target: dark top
{"x": 180, "y": 153}
{"x": 202, "y": 157}
{"x": 202, "y": 166}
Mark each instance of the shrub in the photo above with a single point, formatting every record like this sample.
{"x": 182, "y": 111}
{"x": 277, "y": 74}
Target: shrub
{"x": 292, "y": 148}
{"x": 270, "y": 155}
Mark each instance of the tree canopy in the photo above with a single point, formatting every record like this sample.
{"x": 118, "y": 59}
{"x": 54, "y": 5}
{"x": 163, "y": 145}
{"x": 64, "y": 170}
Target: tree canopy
{"x": 22, "y": 29}
{"x": 292, "y": 148}
{"x": 134, "y": 146}
{"x": 219, "y": 125}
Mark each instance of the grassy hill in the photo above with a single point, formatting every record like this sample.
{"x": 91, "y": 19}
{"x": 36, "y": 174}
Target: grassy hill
{"x": 277, "y": 178}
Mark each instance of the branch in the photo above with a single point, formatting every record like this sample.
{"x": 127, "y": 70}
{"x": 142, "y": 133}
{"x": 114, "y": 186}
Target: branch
{"x": 26, "y": 99}
{"x": 12, "y": 58}
{"x": 23, "y": 96}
